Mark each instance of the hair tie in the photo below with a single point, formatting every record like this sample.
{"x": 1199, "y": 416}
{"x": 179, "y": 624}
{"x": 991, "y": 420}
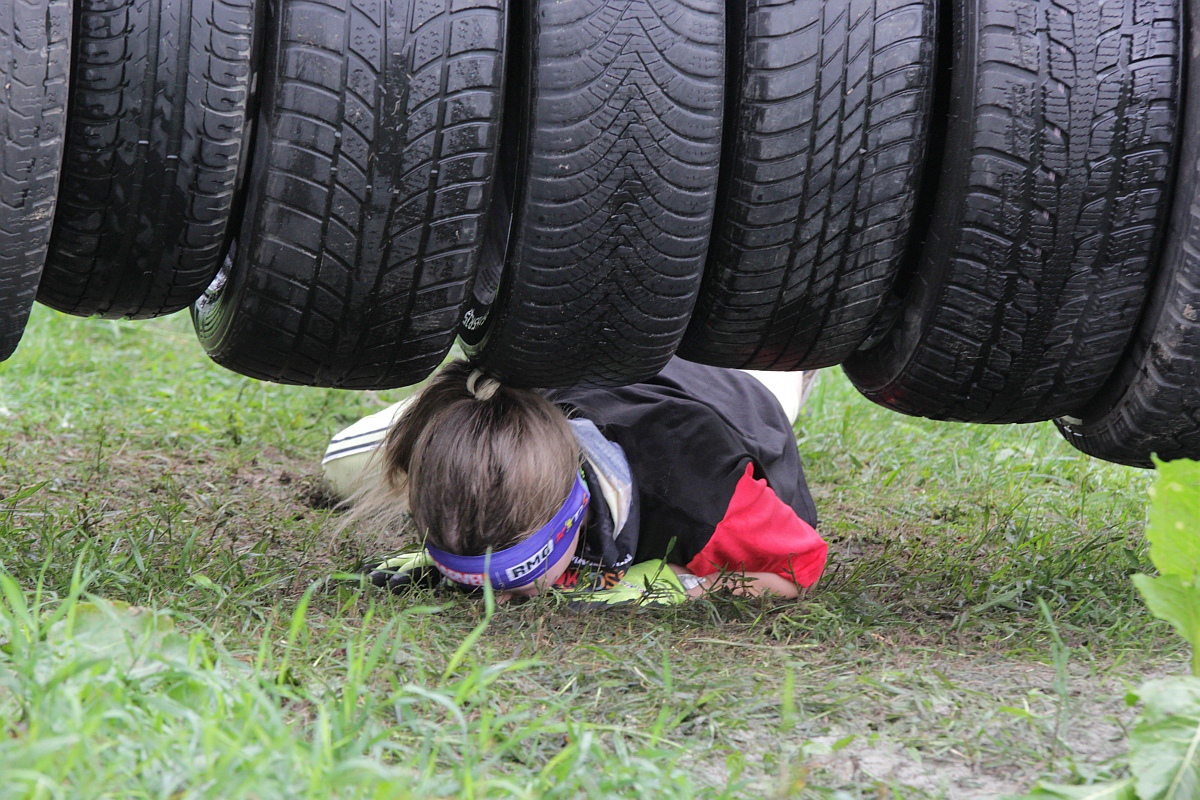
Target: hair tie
{"x": 482, "y": 391}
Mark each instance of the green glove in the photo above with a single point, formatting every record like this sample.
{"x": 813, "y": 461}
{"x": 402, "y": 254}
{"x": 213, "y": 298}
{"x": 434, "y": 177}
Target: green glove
{"x": 405, "y": 571}
{"x": 650, "y": 583}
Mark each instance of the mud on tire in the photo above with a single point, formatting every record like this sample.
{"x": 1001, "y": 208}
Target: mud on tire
{"x": 1053, "y": 192}
{"x": 375, "y": 147}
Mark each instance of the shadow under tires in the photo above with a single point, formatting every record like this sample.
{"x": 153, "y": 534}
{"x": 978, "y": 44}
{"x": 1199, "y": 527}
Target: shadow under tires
{"x": 35, "y": 53}
{"x": 370, "y": 178}
{"x": 1054, "y": 191}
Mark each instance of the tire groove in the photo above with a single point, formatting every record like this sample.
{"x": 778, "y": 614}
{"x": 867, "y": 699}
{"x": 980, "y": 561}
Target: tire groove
{"x": 389, "y": 249}
{"x": 798, "y": 242}
{"x": 1046, "y": 232}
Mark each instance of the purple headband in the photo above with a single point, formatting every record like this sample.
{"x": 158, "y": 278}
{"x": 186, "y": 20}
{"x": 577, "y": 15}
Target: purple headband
{"x": 525, "y": 562}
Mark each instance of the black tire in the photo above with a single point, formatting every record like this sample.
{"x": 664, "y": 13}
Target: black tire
{"x": 825, "y": 138}
{"x": 371, "y": 172}
{"x": 1151, "y": 406}
{"x": 159, "y": 96}
{"x": 35, "y": 53}
{"x": 611, "y": 182}
{"x": 1053, "y": 193}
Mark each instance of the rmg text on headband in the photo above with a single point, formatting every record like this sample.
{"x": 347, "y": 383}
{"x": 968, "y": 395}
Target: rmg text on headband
{"x": 525, "y": 562}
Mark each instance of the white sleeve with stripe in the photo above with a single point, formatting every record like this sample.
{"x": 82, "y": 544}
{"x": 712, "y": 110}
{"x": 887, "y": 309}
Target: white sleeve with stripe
{"x": 347, "y": 460}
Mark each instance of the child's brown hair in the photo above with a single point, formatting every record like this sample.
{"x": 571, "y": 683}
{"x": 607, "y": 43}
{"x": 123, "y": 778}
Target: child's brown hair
{"x": 477, "y": 464}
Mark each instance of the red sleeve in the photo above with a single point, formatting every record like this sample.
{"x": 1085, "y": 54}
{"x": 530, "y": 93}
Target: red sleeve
{"x": 761, "y": 533}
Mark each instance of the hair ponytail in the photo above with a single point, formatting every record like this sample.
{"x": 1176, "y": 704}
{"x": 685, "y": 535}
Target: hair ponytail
{"x": 484, "y": 390}
{"x": 476, "y": 463}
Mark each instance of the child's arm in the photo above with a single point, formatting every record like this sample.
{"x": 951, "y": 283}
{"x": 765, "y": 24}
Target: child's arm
{"x": 752, "y": 584}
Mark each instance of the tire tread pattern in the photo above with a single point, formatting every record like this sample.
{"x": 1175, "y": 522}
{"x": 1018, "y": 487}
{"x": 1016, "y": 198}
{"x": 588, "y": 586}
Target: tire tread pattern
{"x": 35, "y": 52}
{"x": 1054, "y": 195}
{"x": 830, "y": 119}
{"x": 1151, "y": 405}
{"x": 154, "y": 143}
{"x": 370, "y": 182}
{"x": 622, "y": 167}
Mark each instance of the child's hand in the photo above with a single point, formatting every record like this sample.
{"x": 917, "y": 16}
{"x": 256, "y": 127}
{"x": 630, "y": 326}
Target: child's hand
{"x": 747, "y": 584}
{"x": 404, "y": 572}
{"x": 650, "y": 583}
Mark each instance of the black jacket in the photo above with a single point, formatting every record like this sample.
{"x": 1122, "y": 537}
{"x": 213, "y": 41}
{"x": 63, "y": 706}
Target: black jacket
{"x": 688, "y": 435}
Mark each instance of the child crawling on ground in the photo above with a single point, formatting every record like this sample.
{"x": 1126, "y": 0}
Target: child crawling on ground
{"x": 692, "y": 480}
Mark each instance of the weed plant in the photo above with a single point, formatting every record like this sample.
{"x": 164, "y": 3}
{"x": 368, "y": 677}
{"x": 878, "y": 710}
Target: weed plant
{"x": 1164, "y": 761}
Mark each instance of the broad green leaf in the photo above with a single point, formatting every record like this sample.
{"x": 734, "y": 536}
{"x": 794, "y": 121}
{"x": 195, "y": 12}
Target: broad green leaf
{"x": 1165, "y": 745}
{"x": 1174, "y": 528}
{"x": 113, "y": 629}
{"x": 1173, "y": 600}
{"x": 1120, "y": 790}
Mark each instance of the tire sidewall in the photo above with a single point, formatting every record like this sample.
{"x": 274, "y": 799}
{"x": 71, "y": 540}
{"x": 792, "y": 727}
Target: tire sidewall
{"x": 214, "y": 314}
{"x": 874, "y": 371}
{"x": 486, "y": 311}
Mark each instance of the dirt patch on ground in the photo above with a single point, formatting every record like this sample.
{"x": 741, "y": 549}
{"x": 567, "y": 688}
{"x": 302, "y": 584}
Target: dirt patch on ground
{"x": 269, "y": 502}
{"x": 970, "y": 727}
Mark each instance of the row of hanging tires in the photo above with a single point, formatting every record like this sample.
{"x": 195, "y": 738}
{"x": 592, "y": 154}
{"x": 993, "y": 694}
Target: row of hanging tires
{"x": 986, "y": 210}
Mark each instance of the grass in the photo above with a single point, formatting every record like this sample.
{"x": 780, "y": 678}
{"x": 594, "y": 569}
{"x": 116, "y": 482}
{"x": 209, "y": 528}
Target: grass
{"x": 976, "y": 627}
